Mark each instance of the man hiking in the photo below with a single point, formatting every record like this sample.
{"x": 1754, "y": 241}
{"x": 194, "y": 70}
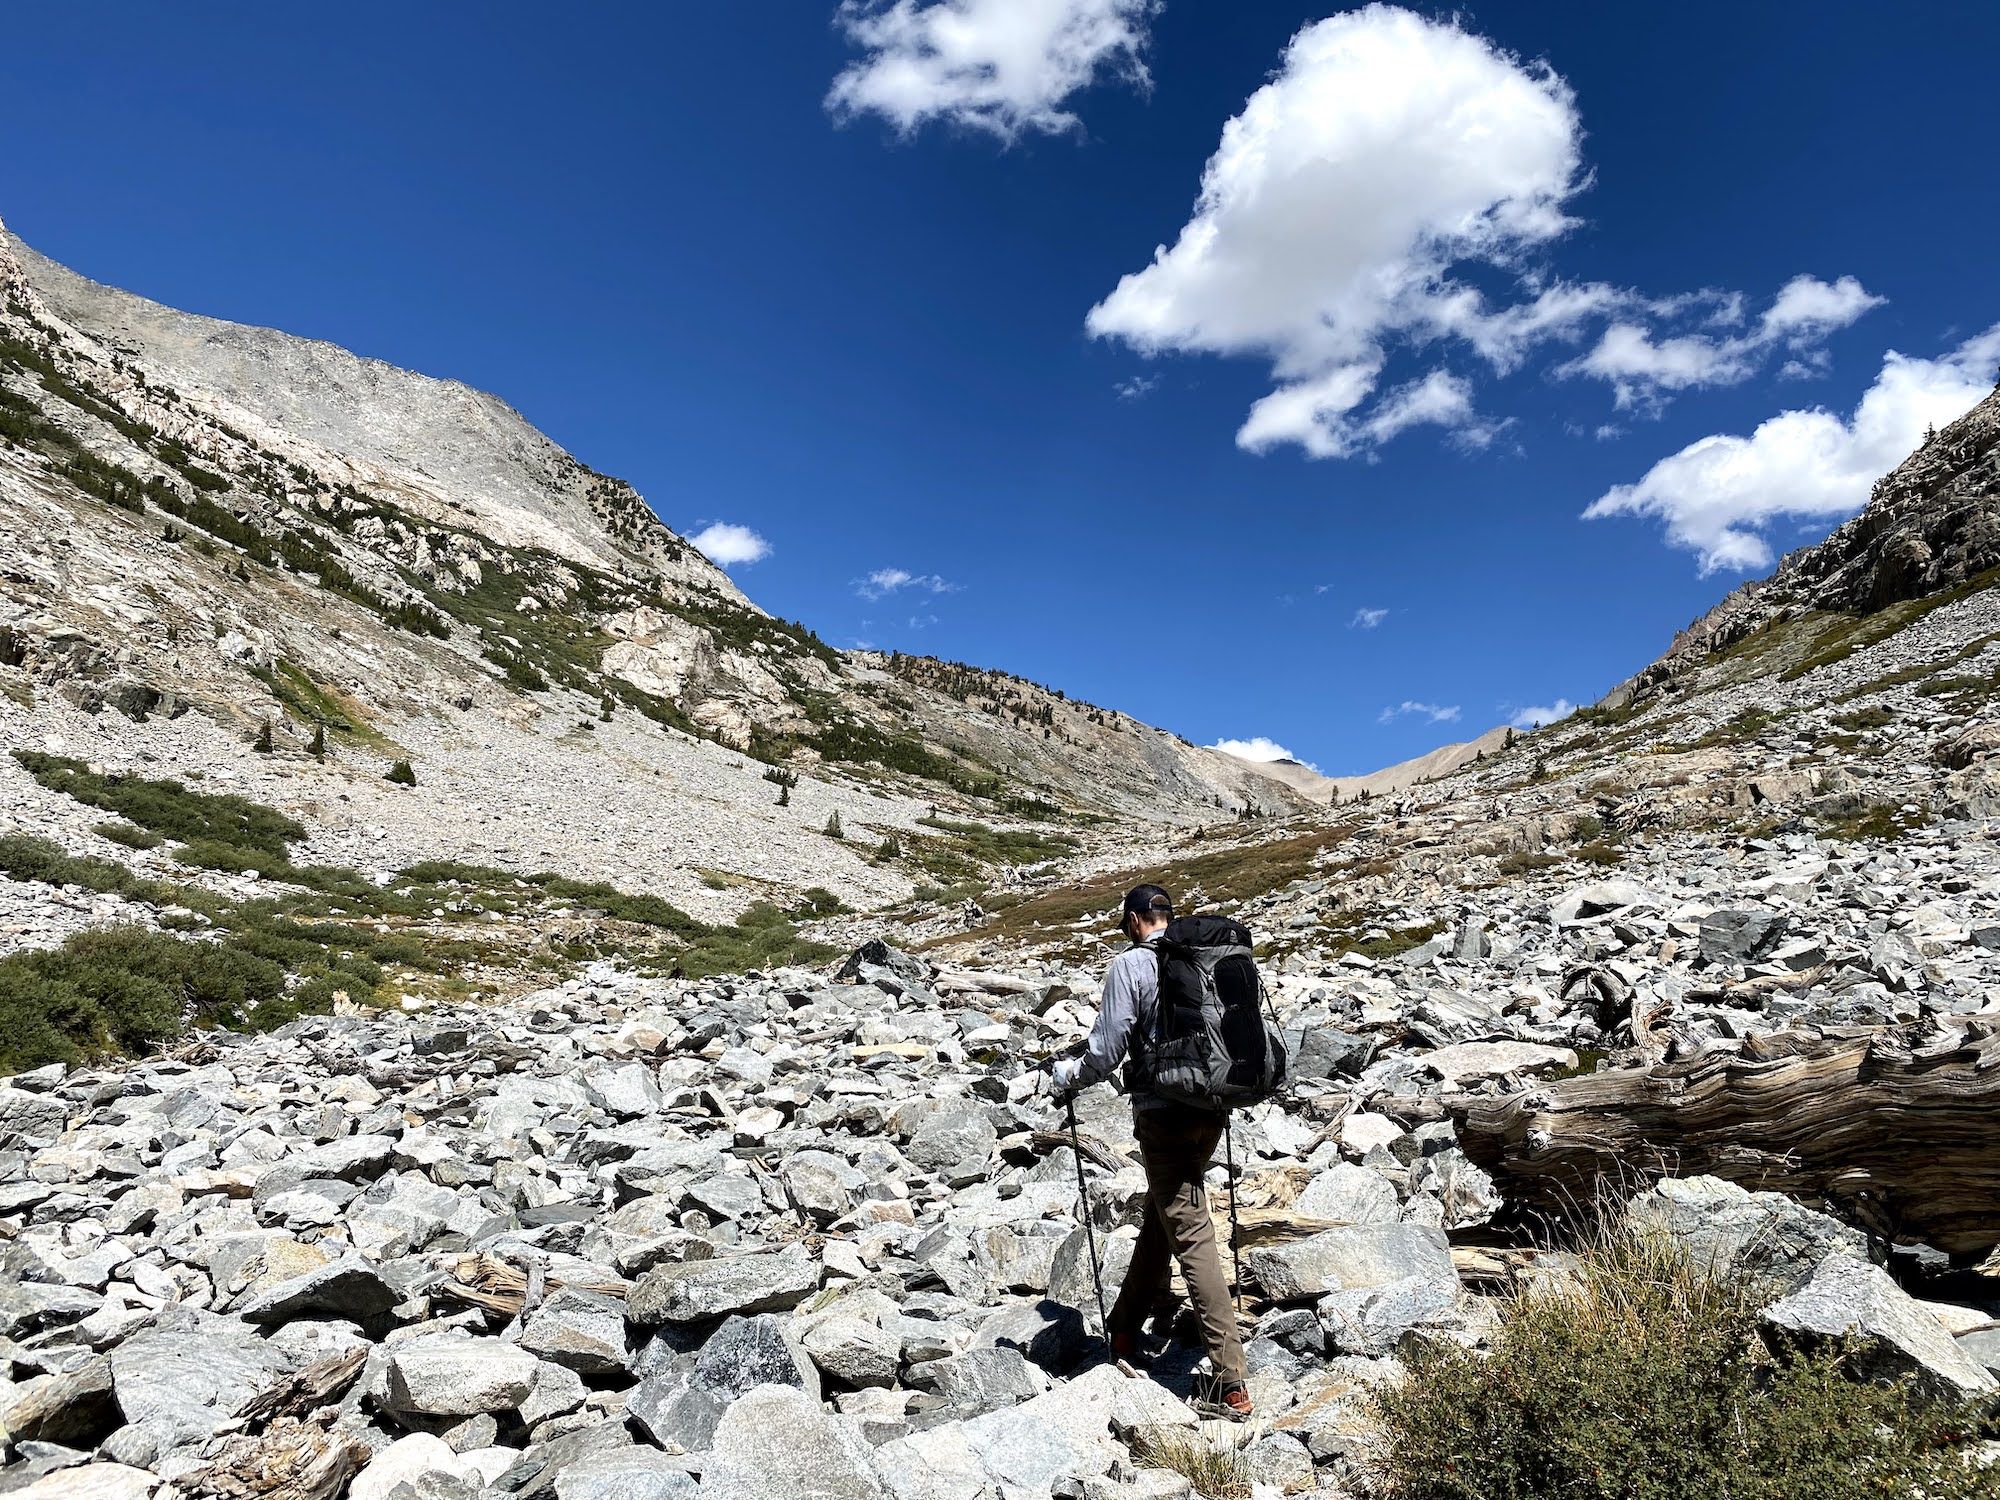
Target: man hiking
{"x": 1177, "y": 1139}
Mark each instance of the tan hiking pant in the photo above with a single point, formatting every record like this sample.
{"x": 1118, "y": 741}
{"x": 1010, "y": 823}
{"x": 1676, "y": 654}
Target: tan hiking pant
{"x": 1175, "y": 1148}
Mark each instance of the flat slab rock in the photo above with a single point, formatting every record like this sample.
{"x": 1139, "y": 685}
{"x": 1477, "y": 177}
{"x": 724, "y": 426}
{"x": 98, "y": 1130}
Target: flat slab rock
{"x": 1349, "y": 1258}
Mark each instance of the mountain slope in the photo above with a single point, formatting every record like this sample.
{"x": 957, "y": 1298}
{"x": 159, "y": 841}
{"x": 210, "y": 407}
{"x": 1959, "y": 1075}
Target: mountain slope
{"x": 221, "y": 537}
{"x": 1931, "y": 525}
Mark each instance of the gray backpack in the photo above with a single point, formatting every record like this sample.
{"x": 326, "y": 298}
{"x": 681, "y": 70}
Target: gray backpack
{"x": 1213, "y": 1044}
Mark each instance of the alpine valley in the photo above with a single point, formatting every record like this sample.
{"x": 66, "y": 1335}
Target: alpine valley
{"x": 492, "y": 1012}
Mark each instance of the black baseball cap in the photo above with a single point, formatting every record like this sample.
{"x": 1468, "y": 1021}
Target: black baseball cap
{"x": 1147, "y": 901}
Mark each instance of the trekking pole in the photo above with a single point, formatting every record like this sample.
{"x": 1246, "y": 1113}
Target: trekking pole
{"x": 1235, "y": 1229}
{"x": 1089, "y": 1229}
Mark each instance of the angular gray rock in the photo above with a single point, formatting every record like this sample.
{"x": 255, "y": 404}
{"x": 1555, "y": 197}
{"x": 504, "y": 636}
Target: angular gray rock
{"x": 776, "y": 1443}
{"x": 583, "y": 1331}
{"x": 695, "y": 1291}
{"x": 1733, "y": 1232}
{"x": 453, "y": 1375}
{"x": 637, "y": 1474}
{"x": 952, "y": 1139}
{"x": 748, "y": 1352}
{"x": 1846, "y": 1299}
{"x": 1741, "y": 936}
{"x": 1361, "y": 1256}
{"x": 1349, "y": 1193}
{"x": 346, "y": 1288}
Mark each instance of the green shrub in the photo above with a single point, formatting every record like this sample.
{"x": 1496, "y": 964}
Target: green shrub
{"x": 131, "y": 835}
{"x": 168, "y": 808}
{"x": 230, "y": 859}
{"x": 1875, "y": 716}
{"x": 25, "y": 857}
{"x": 818, "y": 901}
{"x": 764, "y": 937}
{"x": 1521, "y": 861}
{"x": 120, "y": 989}
{"x": 1000, "y": 846}
{"x": 622, "y": 906}
{"x": 401, "y": 774}
{"x": 833, "y": 829}
{"x": 1644, "y": 1377}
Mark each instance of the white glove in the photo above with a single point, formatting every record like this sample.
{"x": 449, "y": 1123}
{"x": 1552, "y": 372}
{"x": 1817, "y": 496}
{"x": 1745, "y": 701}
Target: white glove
{"x": 1063, "y": 1076}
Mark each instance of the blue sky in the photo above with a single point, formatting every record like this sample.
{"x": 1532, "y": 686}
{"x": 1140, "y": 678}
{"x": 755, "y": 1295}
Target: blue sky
{"x": 1459, "y": 276}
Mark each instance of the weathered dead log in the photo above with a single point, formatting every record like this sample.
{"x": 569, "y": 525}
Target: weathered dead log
{"x": 1094, "y": 1149}
{"x": 1619, "y": 1009}
{"x": 289, "y": 1460}
{"x": 1900, "y": 1136}
{"x": 500, "y": 1287}
{"x": 304, "y": 1392}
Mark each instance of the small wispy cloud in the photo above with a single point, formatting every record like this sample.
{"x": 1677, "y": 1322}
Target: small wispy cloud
{"x": 1367, "y": 619}
{"x": 1261, "y": 749}
{"x": 1535, "y": 718}
{"x": 886, "y": 581}
{"x": 727, "y": 545}
{"x": 1436, "y": 713}
{"x": 922, "y": 622}
{"x": 1007, "y": 67}
{"x": 1136, "y": 387}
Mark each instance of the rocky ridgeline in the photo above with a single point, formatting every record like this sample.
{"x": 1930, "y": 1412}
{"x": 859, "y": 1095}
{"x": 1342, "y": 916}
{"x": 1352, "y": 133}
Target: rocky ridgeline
{"x": 790, "y": 1235}
{"x": 1930, "y": 525}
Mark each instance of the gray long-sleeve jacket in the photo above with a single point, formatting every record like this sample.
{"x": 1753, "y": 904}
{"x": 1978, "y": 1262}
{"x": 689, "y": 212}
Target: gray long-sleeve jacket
{"x": 1130, "y": 996}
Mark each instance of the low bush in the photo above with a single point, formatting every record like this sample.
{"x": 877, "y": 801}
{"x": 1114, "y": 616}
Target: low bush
{"x": 25, "y": 857}
{"x": 764, "y": 937}
{"x": 131, "y": 835}
{"x": 168, "y": 808}
{"x": 622, "y": 906}
{"x": 1643, "y": 1377}
{"x": 121, "y": 989}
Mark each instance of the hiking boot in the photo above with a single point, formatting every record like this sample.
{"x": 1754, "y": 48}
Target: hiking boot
{"x": 1223, "y": 1398}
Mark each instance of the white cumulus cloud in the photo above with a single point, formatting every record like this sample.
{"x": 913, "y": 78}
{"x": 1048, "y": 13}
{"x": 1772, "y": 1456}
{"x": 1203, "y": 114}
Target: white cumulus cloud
{"x": 1258, "y": 748}
{"x": 1386, "y": 149}
{"x": 1367, "y": 619}
{"x": 1436, "y": 713}
{"x": 886, "y": 581}
{"x": 1007, "y": 67}
{"x": 1641, "y": 368}
{"x": 1390, "y": 155}
{"x": 1718, "y": 496}
{"x": 727, "y": 545}
{"x": 1535, "y": 718}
